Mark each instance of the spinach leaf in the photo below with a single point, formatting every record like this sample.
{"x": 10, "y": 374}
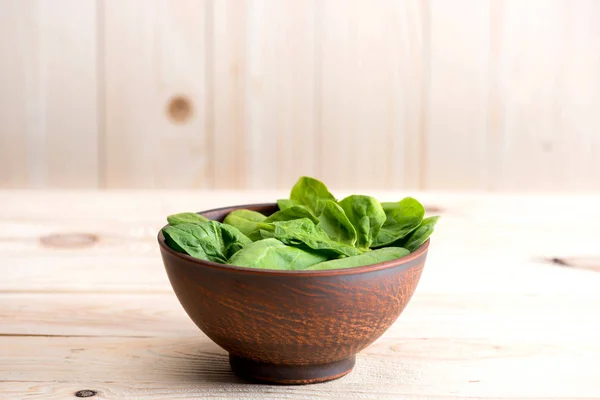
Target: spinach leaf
{"x": 186, "y": 218}
{"x": 367, "y": 216}
{"x": 369, "y": 258}
{"x": 311, "y": 193}
{"x": 218, "y": 243}
{"x": 335, "y": 223}
{"x": 310, "y": 222}
{"x": 246, "y": 221}
{"x": 233, "y": 239}
{"x": 420, "y": 235}
{"x": 303, "y": 232}
{"x": 293, "y": 212}
{"x": 287, "y": 203}
{"x": 402, "y": 218}
{"x": 173, "y": 244}
{"x": 272, "y": 254}
{"x": 183, "y": 242}
{"x": 209, "y": 240}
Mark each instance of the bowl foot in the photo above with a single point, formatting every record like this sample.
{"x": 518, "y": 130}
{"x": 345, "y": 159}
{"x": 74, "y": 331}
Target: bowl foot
{"x": 290, "y": 374}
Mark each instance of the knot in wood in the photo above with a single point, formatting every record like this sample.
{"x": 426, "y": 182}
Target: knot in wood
{"x": 585, "y": 263}
{"x": 85, "y": 393}
{"x": 68, "y": 240}
{"x": 179, "y": 109}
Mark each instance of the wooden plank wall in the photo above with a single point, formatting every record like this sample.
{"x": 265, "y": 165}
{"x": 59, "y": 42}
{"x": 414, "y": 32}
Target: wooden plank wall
{"x": 49, "y": 122}
{"x": 417, "y": 94}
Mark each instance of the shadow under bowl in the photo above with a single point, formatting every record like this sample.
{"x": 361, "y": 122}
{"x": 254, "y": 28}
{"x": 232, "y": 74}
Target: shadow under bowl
{"x": 291, "y": 327}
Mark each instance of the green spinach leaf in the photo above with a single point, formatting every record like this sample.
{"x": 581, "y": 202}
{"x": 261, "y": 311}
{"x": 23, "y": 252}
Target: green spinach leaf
{"x": 186, "y": 218}
{"x": 287, "y": 203}
{"x": 369, "y": 258}
{"x": 209, "y": 240}
{"x": 335, "y": 223}
{"x": 233, "y": 239}
{"x": 357, "y": 230}
{"x": 366, "y": 215}
{"x": 311, "y": 193}
{"x": 272, "y": 254}
{"x": 246, "y": 221}
{"x": 290, "y": 213}
{"x": 402, "y": 218}
{"x": 184, "y": 242}
{"x": 420, "y": 235}
{"x": 303, "y": 232}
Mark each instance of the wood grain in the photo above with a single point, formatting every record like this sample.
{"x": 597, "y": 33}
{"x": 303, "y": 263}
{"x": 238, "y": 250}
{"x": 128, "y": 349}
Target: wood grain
{"x": 155, "y": 94}
{"x": 264, "y": 91}
{"x": 189, "y": 366}
{"x": 525, "y": 83}
{"x": 281, "y": 93}
{"x": 455, "y": 151}
{"x": 228, "y": 66}
{"x": 48, "y": 94}
{"x": 370, "y": 76}
{"x": 428, "y": 94}
{"x": 544, "y": 72}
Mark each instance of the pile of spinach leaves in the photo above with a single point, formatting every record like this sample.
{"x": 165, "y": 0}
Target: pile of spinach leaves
{"x": 311, "y": 231}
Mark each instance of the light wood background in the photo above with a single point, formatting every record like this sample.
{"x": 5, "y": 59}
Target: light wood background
{"x": 232, "y": 94}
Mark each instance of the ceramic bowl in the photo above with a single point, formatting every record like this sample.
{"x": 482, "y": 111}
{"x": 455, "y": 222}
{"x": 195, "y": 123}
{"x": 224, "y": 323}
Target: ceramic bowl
{"x": 291, "y": 327}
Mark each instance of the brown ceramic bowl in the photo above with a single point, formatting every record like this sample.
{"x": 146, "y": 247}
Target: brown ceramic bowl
{"x": 291, "y": 327}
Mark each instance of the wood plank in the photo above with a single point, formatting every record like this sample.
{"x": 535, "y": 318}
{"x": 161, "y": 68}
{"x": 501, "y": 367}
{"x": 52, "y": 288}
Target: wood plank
{"x": 14, "y": 165}
{"x": 457, "y": 95}
{"x": 581, "y": 93}
{"x": 154, "y": 61}
{"x": 281, "y": 92}
{"x": 229, "y": 64}
{"x": 548, "y": 138}
{"x": 370, "y": 123}
{"x": 514, "y": 95}
{"x": 89, "y": 314}
{"x": 48, "y": 94}
{"x": 189, "y": 366}
{"x": 264, "y": 87}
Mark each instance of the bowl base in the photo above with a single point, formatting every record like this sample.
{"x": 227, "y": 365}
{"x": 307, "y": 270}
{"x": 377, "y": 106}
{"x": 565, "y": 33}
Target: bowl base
{"x": 290, "y": 374}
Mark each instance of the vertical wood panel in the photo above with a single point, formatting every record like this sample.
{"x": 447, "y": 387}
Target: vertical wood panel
{"x": 281, "y": 92}
{"x": 371, "y": 78}
{"x": 264, "y": 82}
{"x": 154, "y": 55}
{"x": 549, "y": 75}
{"x": 48, "y": 94}
{"x": 229, "y": 64}
{"x": 15, "y": 67}
{"x": 457, "y": 106}
{"x": 581, "y": 94}
{"x": 463, "y": 94}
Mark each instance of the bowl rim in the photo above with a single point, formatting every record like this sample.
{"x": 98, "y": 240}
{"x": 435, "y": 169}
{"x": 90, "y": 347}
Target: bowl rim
{"x": 329, "y": 272}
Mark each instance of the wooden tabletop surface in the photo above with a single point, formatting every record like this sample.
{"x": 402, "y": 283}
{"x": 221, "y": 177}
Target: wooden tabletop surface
{"x": 508, "y": 305}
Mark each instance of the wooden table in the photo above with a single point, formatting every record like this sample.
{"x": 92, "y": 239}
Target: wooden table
{"x": 508, "y": 305}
